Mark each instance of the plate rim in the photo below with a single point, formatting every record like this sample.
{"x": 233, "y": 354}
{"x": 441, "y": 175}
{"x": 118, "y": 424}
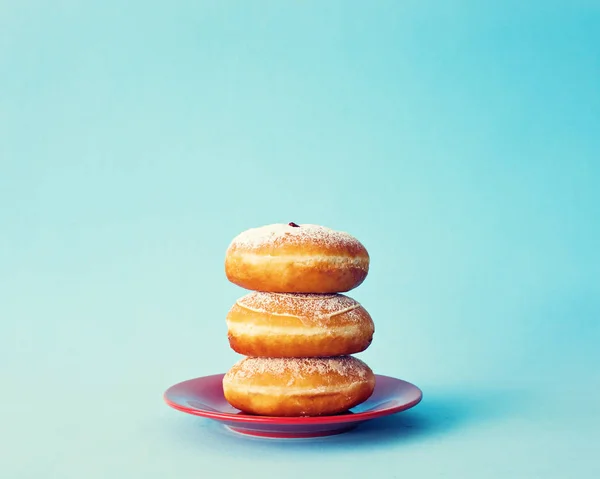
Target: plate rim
{"x": 283, "y": 420}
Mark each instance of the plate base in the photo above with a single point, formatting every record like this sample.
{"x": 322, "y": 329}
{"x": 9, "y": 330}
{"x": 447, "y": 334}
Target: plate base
{"x": 342, "y": 428}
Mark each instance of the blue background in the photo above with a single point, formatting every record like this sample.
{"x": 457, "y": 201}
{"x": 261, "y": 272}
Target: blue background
{"x": 459, "y": 141}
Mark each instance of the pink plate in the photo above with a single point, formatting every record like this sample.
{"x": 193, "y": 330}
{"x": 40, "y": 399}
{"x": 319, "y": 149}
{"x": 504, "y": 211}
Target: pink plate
{"x": 204, "y": 397}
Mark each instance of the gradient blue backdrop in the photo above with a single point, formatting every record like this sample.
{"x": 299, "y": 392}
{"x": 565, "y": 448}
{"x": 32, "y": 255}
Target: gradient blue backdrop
{"x": 460, "y": 141}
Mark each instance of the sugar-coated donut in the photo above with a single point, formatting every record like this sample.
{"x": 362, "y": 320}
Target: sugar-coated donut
{"x": 298, "y": 325}
{"x": 298, "y": 386}
{"x": 290, "y": 258}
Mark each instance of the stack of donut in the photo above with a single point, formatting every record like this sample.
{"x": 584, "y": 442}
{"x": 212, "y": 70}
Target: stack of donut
{"x": 295, "y": 328}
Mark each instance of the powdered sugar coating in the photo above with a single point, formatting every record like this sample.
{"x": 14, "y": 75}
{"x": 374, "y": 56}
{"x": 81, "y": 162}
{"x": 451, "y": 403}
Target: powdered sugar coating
{"x": 345, "y": 366}
{"x": 315, "y": 308}
{"x": 280, "y": 233}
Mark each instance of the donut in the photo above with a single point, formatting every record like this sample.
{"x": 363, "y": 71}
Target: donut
{"x": 298, "y": 325}
{"x": 298, "y": 386}
{"x": 291, "y": 258}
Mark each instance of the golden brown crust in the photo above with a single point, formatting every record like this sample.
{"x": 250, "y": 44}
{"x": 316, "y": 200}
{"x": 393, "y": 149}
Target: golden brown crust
{"x": 291, "y": 276}
{"x": 298, "y": 325}
{"x": 298, "y": 386}
{"x": 302, "y": 259}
